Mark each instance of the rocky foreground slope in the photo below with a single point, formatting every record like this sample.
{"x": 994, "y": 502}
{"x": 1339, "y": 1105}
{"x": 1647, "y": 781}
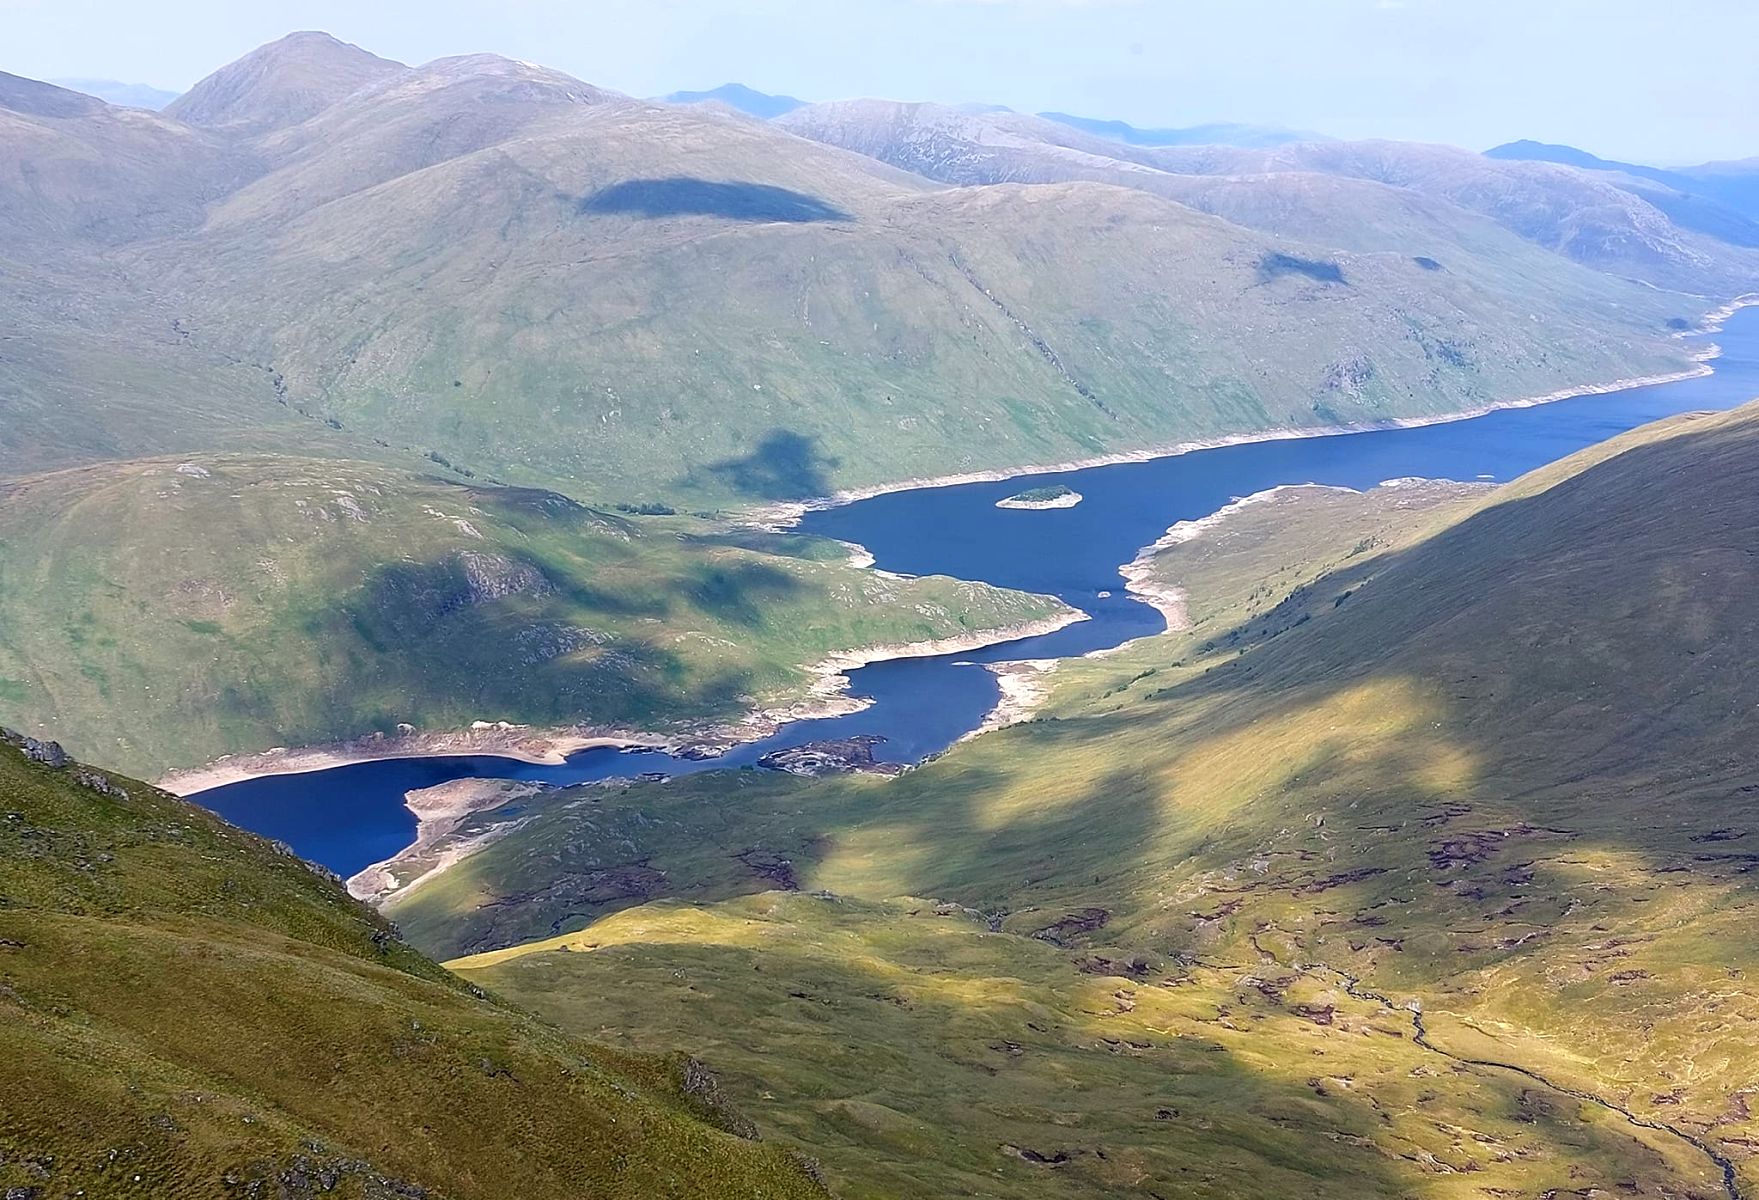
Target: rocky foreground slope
{"x": 188, "y": 1011}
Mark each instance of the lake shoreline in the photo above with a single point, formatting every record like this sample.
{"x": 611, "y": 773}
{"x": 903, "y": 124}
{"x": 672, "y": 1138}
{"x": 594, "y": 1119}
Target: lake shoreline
{"x": 826, "y": 695}
{"x": 785, "y": 514}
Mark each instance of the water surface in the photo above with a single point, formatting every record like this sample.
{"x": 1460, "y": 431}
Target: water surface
{"x": 352, "y": 816}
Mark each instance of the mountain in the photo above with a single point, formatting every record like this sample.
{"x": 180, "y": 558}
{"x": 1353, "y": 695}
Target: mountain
{"x": 1662, "y": 238}
{"x": 127, "y": 95}
{"x": 1223, "y": 134}
{"x": 306, "y": 601}
{"x": 1590, "y": 218}
{"x": 738, "y": 96}
{"x": 1423, "y": 852}
{"x": 582, "y": 292}
{"x": 1531, "y": 151}
{"x": 280, "y": 84}
{"x": 1709, "y": 202}
{"x": 191, "y": 1011}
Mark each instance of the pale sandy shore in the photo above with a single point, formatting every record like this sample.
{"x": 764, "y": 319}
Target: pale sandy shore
{"x": 827, "y": 696}
{"x": 786, "y": 514}
{"x": 549, "y": 747}
{"x": 439, "y": 811}
{"x": 1024, "y": 683}
{"x": 829, "y": 693}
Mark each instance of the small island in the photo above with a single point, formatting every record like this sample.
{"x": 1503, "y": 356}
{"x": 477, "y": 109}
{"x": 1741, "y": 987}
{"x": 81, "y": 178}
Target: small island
{"x": 1055, "y": 496}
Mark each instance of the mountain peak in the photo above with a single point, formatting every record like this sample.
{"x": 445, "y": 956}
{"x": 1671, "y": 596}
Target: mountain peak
{"x": 280, "y": 84}
{"x": 741, "y": 98}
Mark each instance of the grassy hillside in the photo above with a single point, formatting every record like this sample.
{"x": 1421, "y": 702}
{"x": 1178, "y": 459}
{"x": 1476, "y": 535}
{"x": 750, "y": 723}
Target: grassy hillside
{"x": 159, "y": 614}
{"x": 1415, "y": 866}
{"x": 555, "y": 285}
{"x": 190, "y": 1012}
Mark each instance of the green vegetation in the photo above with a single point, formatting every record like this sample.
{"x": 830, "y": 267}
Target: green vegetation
{"x": 160, "y": 614}
{"x": 501, "y": 270}
{"x": 1417, "y": 866}
{"x": 186, "y": 1011}
{"x": 1054, "y": 496}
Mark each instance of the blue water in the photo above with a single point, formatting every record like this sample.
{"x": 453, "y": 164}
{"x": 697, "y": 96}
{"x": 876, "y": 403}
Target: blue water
{"x": 349, "y": 817}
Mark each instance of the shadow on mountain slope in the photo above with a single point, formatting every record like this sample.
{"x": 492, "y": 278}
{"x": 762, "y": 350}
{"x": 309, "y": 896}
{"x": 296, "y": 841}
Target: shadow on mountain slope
{"x": 784, "y": 465}
{"x": 682, "y": 196}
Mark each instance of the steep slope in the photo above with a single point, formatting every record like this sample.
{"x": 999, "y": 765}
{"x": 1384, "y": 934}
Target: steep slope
{"x": 159, "y": 614}
{"x": 78, "y": 173}
{"x": 1585, "y": 216}
{"x": 1419, "y": 863}
{"x": 190, "y": 1012}
{"x": 279, "y": 85}
{"x": 1624, "y": 224}
{"x": 585, "y": 288}
{"x": 555, "y": 285}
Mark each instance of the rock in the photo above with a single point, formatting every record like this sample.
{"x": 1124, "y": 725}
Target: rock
{"x": 48, "y": 753}
{"x": 87, "y": 778}
{"x": 840, "y": 757}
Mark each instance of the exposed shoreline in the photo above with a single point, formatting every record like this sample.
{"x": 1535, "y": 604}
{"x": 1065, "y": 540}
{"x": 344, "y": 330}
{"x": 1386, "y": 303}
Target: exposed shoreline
{"x": 1024, "y": 684}
{"x": 826, "y": 696}
{"x": 783, "y": 515}
{"x": 439, "y": 811}
{"x": 539, "y": 746}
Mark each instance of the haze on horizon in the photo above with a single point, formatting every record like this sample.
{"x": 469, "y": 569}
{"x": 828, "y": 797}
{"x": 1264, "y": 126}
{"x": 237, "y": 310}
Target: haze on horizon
{"x": 1622, "y": 78}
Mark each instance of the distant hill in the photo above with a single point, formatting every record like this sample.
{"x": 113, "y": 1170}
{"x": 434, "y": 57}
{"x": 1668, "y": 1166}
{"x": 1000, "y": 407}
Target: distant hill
{"x": 1720, "y": 202}
{"x": 304, "y": 601}
{"x": 280, "y": 84}
{"x": 1600, "y": 220}
{"x": 1250, "y": 136}
{"x": 1569, "y": 156}
{"x": 579, "y": 291}
{"x": 738, "y": 96}
{"x": 128, "y": 95}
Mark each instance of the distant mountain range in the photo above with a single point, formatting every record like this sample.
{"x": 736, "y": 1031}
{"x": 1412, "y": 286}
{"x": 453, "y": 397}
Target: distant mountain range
{"x": 1249, "y": 136}
{"x": 1703, "y": 197}
{"x": 125, "y": 95}
{"x": 578, "y": 290}
{"x": 769, "y": 107}
{"x": 746, "y": 100}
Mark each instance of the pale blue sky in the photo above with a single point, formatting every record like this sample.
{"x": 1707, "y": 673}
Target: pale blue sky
{"x": 1671, "y": 81}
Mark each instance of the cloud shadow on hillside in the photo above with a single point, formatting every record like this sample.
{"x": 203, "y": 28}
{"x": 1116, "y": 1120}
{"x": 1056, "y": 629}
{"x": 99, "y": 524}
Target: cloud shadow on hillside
{"x": 784, "y": 465}
{"x": 684, "y": 196}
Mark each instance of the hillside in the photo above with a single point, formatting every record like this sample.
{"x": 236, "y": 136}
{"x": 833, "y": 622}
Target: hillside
{"x": 191, "y": 1012}
{"x": 162, "y": 613}
{"x": 551, "y": 284}
{"x": 1643, "y": 227}
{"x": 1416, "y": 865}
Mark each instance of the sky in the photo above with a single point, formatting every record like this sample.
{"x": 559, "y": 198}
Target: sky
{"x": 1667, "y": 83}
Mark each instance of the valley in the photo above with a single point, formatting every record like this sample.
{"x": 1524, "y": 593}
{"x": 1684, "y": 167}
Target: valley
{"x": 1235, "y": 862}
{"x": 737, "y": 646}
